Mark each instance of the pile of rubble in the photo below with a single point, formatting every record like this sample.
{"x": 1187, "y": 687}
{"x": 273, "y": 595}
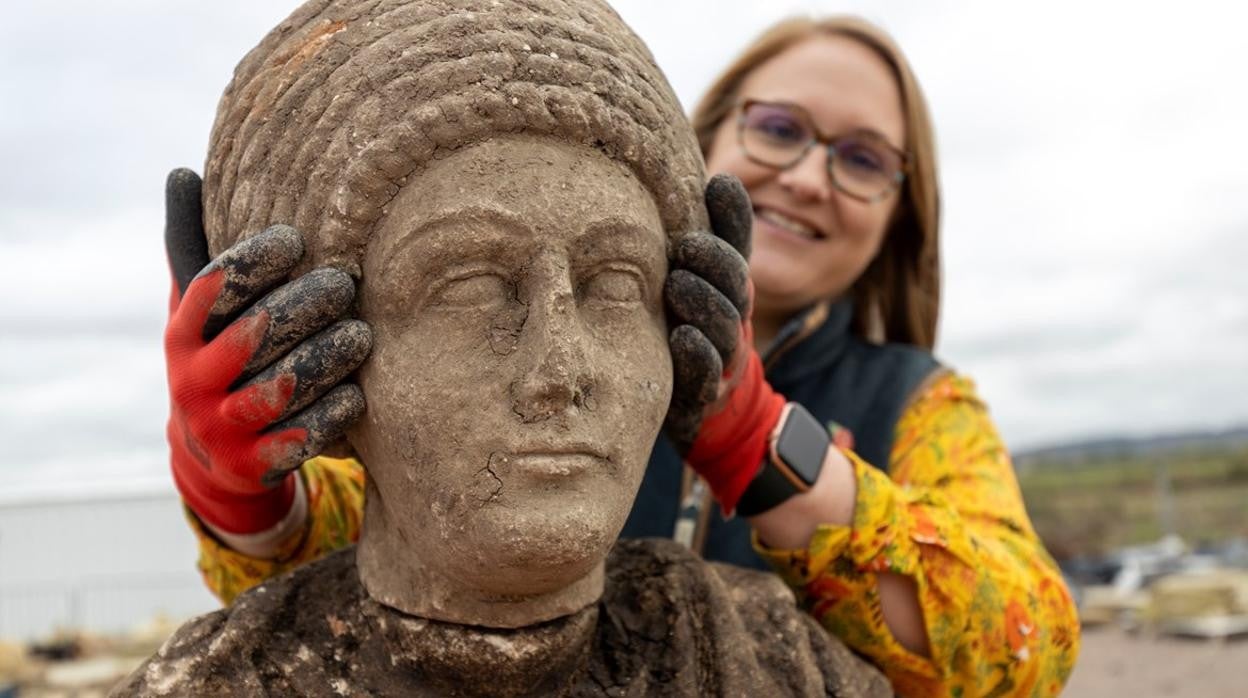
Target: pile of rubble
{"x": 1165, "y": 589}
{"x": 76, "y": 664}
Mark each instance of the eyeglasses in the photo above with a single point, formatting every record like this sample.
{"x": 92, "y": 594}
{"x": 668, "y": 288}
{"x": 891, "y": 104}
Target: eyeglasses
{"x": 861, "y": 164}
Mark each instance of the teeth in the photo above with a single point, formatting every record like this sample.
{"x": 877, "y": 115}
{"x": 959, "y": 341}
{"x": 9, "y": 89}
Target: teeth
{"x": 783, "y": 221}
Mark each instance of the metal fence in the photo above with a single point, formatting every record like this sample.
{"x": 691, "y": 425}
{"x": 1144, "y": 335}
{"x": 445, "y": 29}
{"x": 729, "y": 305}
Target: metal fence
{"x": 99, "y": 563}
{"x": 106, "y": 605}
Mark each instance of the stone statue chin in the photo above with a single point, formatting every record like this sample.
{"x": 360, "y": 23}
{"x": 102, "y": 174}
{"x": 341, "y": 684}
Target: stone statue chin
{"x": 511, "y": 267}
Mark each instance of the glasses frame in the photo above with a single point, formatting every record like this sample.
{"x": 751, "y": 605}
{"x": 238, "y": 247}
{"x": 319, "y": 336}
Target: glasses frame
{"x": 828, "y": 142}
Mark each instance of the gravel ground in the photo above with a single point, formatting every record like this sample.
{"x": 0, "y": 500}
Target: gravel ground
{"x": 1113, "y": 663}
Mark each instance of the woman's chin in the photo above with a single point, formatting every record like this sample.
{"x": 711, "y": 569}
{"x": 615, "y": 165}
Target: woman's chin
{"x": 776, "y": 290}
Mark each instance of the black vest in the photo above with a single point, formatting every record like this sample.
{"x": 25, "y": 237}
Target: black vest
{"x": 840, "y": 378}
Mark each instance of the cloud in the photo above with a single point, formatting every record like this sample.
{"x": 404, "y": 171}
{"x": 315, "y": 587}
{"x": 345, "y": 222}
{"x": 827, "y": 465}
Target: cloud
{"x": 104, "y": 98}
{"x": 87, "y": 401}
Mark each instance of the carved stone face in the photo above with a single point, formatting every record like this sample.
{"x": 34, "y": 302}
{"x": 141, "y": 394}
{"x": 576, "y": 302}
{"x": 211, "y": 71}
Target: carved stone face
{"x": 519, "y": 375}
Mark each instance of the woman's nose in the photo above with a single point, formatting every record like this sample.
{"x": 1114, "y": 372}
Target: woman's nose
{"x": 554, "y": 376}
{"x": 809, "y": 180}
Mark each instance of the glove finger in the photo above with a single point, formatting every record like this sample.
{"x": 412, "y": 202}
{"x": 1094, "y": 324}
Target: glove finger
{"x": 719, "y": 263}
{"x": 185, "y": 243}
{"x": 249, "y": 269}
{"x": 696, "y": 368}
{"x": 296, "y": 311}
{"x": 731, "y": 213}
{"x": 693, "y": 301}
{"x": 307, "y": 434}
{"x": 311, "y": 369}
{"x": 258, "y": 404}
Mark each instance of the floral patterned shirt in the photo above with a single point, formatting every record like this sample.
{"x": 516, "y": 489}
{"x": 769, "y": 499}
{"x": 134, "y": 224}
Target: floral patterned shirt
{"x": 949, "y": 514}
{"x": 335, "y": 490}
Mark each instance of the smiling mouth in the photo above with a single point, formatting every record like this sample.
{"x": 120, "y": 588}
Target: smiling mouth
{"x": 787, "y": 224}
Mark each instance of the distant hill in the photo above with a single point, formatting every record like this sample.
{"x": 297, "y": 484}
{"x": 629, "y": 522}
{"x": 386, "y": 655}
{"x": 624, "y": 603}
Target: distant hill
{"x": 1122, "y": 446}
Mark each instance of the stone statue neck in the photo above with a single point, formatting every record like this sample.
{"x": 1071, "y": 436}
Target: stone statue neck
{"x": 540, "y": 660}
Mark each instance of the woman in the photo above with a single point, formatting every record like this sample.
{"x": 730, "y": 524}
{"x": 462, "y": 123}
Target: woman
{"x": 908, "y": 538}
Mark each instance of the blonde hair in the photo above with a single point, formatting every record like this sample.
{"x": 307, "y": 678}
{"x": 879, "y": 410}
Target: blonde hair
{"x": 897, "y": 298}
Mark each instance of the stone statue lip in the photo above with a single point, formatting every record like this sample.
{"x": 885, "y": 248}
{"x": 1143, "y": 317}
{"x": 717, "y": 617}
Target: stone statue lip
{"x": 555, "y": 461}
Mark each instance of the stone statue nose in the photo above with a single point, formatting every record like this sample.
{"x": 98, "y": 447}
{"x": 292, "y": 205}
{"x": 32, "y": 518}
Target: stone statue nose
{"x": 555, "y": 378}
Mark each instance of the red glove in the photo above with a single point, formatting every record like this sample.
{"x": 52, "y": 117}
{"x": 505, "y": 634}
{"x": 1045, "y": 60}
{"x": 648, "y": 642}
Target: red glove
{"x": 254, "y": 388}
{"x": 732, "y": 442}
{"x": 720, "y": 418}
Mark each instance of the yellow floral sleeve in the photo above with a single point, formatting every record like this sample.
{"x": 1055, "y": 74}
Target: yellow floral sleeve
{"x": 999, "y": 618}
{"x": 335, "y": 491}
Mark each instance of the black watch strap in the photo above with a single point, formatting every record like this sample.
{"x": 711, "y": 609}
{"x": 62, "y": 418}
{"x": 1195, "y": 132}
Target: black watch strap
{"x": 795, "y": 457}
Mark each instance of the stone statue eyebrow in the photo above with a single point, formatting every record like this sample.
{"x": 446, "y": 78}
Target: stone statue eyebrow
{"x": 461, "y": 217}
{"x": 619, "y": 233}
{"x": 620, "y": 237}
{"x": 447, "y": 232}
{"x": 613, "y": 237}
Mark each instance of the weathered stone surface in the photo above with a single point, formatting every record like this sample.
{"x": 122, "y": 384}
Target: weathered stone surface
{"x": 507, "y": 179}
{"x": 329, "y": 115}
{"x": 501, "y": 469}
{"x": 668, "y": 624}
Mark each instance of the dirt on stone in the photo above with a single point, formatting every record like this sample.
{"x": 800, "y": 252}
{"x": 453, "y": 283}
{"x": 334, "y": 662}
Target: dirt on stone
{"x": 506, "y": 179}
{"x": 339, "y": 104}
{"x": 669, "y": 624}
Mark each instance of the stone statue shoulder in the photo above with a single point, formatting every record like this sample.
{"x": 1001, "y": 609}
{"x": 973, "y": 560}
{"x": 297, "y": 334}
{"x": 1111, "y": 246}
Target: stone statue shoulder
{"x": 691, "y": 627}
{"x": 668, "y": 624}
{"x": 265, "y": 642}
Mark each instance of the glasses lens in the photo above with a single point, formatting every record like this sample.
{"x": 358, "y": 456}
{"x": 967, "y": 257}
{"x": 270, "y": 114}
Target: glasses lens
{"x": 864, "y": 166}
{"x": 773, "y": 134}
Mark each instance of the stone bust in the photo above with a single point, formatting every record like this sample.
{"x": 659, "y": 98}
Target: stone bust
{"x": 506, "y": 179}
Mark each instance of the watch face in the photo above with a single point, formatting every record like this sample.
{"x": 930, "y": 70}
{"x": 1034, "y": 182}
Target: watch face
{"x": 802, "y": 445}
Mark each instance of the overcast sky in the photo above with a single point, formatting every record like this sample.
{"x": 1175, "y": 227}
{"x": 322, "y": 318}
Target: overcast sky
{"x": 1092, "y": 159}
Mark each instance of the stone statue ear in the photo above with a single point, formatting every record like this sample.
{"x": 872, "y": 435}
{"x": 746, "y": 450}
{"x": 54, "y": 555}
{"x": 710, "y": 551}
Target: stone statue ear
{"x": 185, "y": 242}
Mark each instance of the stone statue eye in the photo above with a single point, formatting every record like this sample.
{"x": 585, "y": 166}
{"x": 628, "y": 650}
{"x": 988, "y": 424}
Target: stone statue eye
{"x": 482, "y": 290}
{"x": 613, "y": 286}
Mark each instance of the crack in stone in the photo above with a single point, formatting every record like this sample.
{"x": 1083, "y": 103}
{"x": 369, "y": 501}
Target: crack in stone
{"x": 584, "y": 397}
{"x": 498, "y": 489}
{"x": 505, "y": 328}
{"x": 516, "y": 410}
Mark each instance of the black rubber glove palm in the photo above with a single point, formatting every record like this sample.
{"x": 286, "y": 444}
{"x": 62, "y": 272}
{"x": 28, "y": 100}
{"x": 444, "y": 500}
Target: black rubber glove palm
{"x": 257, "y": 365}
{"x": 708, "y": 294}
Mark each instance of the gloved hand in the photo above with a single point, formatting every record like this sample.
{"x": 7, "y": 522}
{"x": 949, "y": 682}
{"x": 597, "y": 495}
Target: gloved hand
{"x": 256, "y": 386}
{"x": 722, "y": 407}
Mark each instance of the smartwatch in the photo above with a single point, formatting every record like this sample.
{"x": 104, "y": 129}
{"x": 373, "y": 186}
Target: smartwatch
{"x": 797, "y": 447}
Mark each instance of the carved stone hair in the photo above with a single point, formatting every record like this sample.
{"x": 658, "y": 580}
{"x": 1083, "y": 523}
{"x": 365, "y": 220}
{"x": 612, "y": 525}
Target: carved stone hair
{"x": 326, "y": 118}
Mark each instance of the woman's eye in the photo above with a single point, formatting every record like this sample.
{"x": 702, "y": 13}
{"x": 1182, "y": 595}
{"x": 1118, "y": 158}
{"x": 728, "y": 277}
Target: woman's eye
{"x": 612, "y": 287}
{"x": 861, "y": 157}
{"x": 476, "y": 291}
{"x": 782, "y": 129}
